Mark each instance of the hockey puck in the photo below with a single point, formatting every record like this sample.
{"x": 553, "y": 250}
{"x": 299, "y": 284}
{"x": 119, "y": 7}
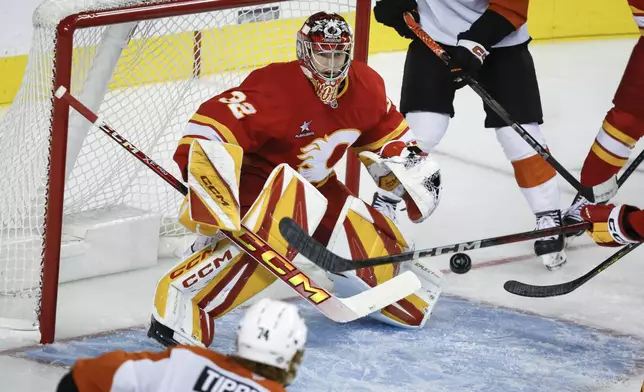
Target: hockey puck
{"x": 460, "y": 263}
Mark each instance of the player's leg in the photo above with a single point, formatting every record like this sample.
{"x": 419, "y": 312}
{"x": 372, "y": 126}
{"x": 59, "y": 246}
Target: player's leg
{"x": 508, "y": 74}
{"x": 220, "y": 277}
{"x": 622, "y": 127}
{"x": 361, "y": 231}
{"x": 427, "y": 95}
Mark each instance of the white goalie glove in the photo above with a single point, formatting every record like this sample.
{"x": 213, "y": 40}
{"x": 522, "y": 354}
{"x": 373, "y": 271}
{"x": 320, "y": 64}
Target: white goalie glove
{"x": 403, "y": 171}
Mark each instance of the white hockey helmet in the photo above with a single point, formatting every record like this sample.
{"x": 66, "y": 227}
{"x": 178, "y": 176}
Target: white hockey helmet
{"x": 271, "y": 332}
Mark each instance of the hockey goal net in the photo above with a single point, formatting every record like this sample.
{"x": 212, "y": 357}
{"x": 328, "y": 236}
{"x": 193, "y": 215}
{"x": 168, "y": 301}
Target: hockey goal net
{"x": 72, "y": 203}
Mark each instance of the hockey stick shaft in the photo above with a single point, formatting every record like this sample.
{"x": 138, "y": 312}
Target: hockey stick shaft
{"x": 336, "y": 309}
{"x": 534, "y": 291}
{"x": 585, "y": 191}
{"x": 327, "y": 260}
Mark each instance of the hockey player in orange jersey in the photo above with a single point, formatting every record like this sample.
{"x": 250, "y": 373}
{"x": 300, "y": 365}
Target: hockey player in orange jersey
{"x": 623, "y": 126}
{"x": 269, "y": 147}
{"x": 489, "y": 41}
{"x": 270, "y": 345}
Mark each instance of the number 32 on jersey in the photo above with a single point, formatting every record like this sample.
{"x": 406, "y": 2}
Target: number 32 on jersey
{"x": 237, "y": 105}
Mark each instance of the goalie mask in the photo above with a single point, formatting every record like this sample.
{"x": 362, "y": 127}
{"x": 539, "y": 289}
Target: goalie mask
{"x": 324, "y": 46}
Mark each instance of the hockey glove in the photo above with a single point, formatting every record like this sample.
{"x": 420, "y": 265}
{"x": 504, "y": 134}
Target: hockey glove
{"x": 390, "y": 13}
{"x": 466, "y": 59}
{"x": 407, "y": 172}
{"x": 612, "y": 225}
{"x": 472, "y": 45}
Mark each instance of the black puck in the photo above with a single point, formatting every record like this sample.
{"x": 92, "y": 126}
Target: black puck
{"x": 460, "y": 263}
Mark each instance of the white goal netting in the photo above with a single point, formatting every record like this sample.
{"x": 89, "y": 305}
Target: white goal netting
{"x": 145, "y": 79}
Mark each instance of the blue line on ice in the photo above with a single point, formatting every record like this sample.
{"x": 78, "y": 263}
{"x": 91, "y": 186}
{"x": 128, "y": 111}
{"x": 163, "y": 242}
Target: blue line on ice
{"x": 465, "y": 347}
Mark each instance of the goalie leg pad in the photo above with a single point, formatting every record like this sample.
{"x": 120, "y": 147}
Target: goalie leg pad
{"x": 432, "y": 282}
{"x": 179, "y": 292}
{"x": 218, "y": 278}
{"x": 361, "y": 232}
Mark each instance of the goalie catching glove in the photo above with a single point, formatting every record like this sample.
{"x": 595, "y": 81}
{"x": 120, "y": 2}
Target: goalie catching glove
{"x": 403, "y": 171}
{"x": 213, "y": 174}
{"x": 614, "y": 225}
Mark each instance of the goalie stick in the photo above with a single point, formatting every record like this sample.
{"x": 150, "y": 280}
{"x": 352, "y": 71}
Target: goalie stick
{"x": 585, "y": 191}
{"x": 536, "y": 291}
{"x": 335, "y": 308}
{"x": 329, "y": 261}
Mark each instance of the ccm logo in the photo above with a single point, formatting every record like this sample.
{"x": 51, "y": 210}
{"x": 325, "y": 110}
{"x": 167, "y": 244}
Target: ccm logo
{"x": 285, "y": 270}
{"x": 203, "y": 271}
{"x": 214, "y": 190}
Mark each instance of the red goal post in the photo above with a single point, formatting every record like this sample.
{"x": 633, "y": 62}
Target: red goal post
{"x": 172, "y": 55}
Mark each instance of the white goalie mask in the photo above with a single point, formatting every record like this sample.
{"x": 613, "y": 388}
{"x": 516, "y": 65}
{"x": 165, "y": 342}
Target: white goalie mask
{"x": 324, "y": 48}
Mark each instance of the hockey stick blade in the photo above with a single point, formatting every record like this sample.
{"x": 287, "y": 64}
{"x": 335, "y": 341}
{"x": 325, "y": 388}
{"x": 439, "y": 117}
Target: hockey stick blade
{"x": 338, "y": 309}
{"x": 319, "y": 255}
{"x": 534, "y": 291}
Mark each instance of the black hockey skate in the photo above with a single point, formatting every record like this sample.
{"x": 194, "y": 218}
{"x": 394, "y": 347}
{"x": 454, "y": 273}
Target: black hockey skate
{"x": 572, "y": 215}
{"x": 161, "y": 333}
{"x": 550, "y": 249}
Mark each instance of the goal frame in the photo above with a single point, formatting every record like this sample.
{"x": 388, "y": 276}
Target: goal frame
{"x": 60, "y": 119}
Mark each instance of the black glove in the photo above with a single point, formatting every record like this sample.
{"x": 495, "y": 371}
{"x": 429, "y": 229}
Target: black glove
{"x": 472, "y": 45}
{"x": 390, "y": 13}
{"x": 466, "y": 59}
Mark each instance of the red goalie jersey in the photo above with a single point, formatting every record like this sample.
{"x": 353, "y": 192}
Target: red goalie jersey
{"x": 276, "y": 117}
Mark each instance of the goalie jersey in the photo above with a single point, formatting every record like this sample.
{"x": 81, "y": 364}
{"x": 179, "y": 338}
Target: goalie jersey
{"x": 276, "y": 117}
{"x": 179, "y": 368}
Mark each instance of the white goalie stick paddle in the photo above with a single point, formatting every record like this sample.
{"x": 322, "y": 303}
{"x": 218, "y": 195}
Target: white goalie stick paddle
{"x": 338, "y": 309}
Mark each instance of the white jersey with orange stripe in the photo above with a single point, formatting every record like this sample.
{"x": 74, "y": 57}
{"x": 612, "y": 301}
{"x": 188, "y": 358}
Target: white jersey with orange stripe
{"x": 443, "y": 20}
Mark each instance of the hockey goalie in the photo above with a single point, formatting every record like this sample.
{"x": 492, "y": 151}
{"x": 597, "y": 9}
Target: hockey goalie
{"x": 265, "y": 150}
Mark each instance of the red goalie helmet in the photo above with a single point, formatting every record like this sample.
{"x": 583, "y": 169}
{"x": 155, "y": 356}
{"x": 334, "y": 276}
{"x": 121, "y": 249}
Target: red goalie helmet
{"x": 324, "y": 45}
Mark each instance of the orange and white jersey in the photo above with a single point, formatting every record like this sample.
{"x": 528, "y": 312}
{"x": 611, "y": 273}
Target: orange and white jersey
{"x": 443, "y": 20}
{"x": 179, "y": 368}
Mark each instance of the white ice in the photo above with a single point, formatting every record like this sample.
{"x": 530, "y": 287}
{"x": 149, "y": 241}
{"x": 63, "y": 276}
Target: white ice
{"x": 480, "y": 200}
